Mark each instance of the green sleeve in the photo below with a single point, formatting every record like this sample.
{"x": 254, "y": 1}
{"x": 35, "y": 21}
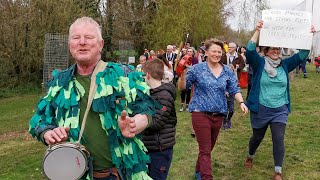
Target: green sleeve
{"x": 303, "y": 54}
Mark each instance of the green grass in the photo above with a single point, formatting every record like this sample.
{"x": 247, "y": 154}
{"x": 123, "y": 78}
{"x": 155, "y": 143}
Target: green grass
{"x": 15, "y": 112}
{"x": 21, "y": 156}
{"x": 28, "y": 88}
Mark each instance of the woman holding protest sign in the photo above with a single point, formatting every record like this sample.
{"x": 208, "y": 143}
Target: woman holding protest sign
{"x": 269, "y": 99}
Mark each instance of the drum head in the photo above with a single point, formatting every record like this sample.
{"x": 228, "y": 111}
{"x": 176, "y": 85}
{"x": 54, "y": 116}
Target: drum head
{"x": 64, "y": 163}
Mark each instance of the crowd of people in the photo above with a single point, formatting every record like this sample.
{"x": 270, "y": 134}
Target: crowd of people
{"x": 131, "y": 125}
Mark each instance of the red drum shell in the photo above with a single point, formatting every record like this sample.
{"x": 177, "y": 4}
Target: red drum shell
{"x": 186, "y": 60}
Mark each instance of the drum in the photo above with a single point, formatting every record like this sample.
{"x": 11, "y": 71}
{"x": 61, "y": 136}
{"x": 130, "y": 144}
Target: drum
{"x": 65, "y": 161}
{"x": 243, "y": 81}
{"x": 186, "y": 60}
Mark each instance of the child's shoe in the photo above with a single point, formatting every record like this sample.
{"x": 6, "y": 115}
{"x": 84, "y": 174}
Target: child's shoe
{"x": 182, "y": 108}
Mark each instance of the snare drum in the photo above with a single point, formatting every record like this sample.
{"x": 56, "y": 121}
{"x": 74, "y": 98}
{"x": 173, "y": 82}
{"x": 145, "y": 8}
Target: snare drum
{"x": 65, "y": 161}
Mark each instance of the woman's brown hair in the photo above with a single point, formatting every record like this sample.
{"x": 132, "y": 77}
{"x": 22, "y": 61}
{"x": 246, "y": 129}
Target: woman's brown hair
{"x": 209, "y": 42}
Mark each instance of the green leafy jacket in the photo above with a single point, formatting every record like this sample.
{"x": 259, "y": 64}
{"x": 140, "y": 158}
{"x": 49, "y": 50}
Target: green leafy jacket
{"x": 60, "y": 107}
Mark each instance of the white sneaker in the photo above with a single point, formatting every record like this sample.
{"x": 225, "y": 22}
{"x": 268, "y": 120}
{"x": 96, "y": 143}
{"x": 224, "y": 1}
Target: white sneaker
{"x": 181, "y": 109}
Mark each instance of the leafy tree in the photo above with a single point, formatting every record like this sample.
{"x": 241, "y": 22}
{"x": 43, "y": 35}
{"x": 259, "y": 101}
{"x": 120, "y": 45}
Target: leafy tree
{"x": 148, "y": 23}
{"x": 176, "y": 18}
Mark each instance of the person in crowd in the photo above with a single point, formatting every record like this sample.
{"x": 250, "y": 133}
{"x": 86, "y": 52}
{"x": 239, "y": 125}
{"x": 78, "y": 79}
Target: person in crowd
{"x": 160, "y": 53}
{"x": 242, "y": 51}
{"x": 235, "y": 61}
{"x": 259, "y": 50}
{"x": 211, "y": 80}
{"x": 187, "y": 45}
{"x": 201, "y": 54}
{"x": 302, "y": 66}
{"x": 152, "y": 55}
{"x": 269, "y": 99}
{"x": 142, "y": 60}
{"x": 225, "y": 47}
{"x": 185, "y": 94}
{"x": 189, "y": 93}
{"x": 168, "y": 71}
{"x": 183, "y": 52}
{"x": 191, "y": 51}
{"x": 115, "y": 117}
{"x": 170, "y": 55}
{"x": 146, "y": 53}
{"x": 317, "y": 63}
{"x": 159, "y": 137}
{"x": 169, "y": 58}
{"x": 175, "y": 50}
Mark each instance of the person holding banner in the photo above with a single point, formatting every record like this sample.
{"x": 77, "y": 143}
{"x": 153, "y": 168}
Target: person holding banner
{"x": 269, "y": 99}
{"x": 115, "y": 116}
{"x": 317, "y": 63}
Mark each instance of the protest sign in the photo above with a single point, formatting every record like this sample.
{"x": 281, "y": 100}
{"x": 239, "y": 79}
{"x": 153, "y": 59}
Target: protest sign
{"x": 284, "y": 28}
{"x": 131, "y": 60}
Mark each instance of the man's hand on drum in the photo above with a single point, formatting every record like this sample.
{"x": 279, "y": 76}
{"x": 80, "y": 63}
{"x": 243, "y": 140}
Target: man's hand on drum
{"x": 59, "y": 134}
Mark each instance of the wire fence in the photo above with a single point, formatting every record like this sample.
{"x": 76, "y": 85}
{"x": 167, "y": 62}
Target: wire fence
{"x": 56, "y": 54}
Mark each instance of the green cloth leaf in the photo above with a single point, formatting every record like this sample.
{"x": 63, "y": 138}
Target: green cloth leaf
{"x": 79, "y": 88}
{"x": 117, "y": 151}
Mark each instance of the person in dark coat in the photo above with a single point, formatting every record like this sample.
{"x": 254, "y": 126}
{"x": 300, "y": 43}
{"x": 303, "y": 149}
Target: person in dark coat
{"x": 159, "y": 137}
{"x": 235, "y": 61}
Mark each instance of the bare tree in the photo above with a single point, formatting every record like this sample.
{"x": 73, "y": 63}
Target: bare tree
{"x": 24, "y": 24}
{"x": 245, "y": 14}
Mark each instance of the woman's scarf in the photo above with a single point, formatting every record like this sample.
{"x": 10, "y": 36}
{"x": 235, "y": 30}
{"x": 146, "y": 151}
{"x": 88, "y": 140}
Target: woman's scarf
{"x": 271, "y": 66}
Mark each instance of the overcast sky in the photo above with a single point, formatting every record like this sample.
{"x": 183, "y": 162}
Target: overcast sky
{"x": 274, "y": 4}
{"x": 284, "y": 4}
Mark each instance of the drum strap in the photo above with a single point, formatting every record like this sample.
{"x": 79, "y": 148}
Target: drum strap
{"x": 93, "y": 86}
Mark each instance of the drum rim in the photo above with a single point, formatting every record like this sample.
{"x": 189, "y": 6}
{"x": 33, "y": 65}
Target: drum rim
{"x": 78, "y": 147}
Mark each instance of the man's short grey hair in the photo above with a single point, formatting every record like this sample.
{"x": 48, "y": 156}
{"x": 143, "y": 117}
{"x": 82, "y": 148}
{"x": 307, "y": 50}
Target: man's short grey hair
{"x": 169, "y": 47}
{"x": 86, "y": 20}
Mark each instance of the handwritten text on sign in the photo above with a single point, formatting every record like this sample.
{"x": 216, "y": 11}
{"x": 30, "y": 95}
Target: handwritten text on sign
{"x": 288, "y": 29}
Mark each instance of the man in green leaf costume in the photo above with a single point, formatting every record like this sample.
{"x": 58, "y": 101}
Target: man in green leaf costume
{"x": 120, "y": 109}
